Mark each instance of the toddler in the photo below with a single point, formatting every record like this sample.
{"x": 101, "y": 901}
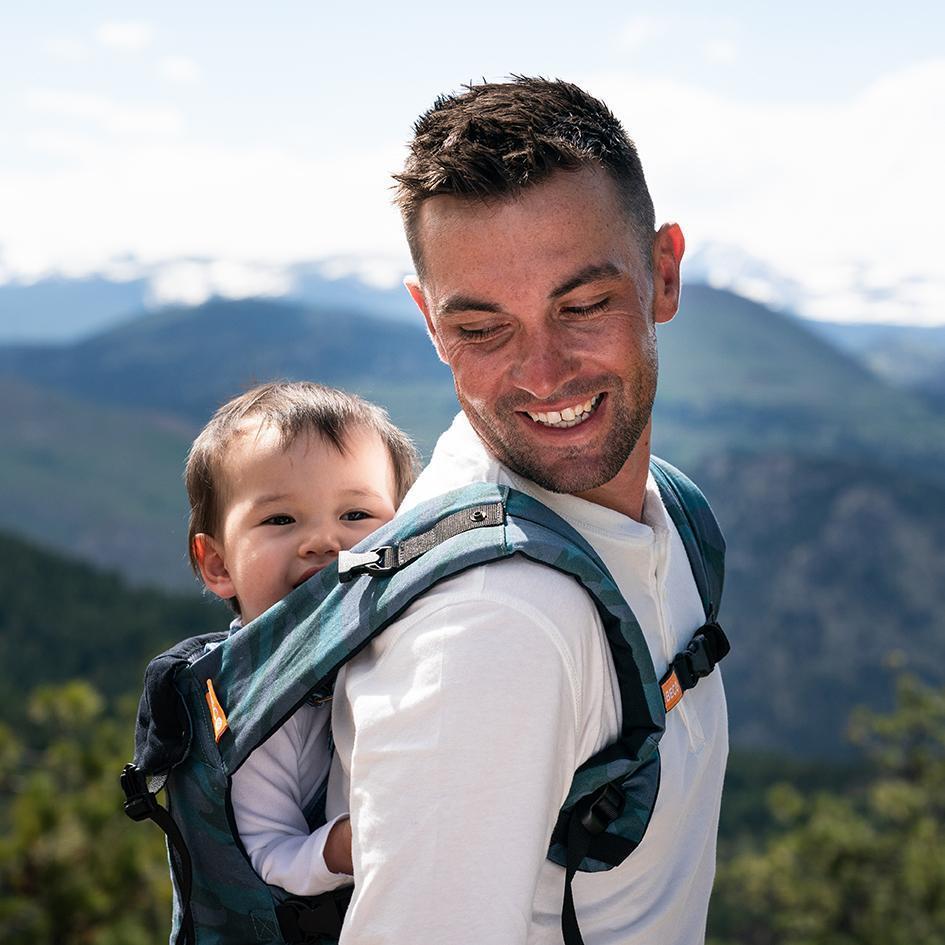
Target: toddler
{"x": 280, "y": 480}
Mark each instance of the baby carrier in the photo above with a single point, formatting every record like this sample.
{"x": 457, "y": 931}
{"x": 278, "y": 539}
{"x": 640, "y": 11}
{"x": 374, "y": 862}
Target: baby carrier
{"x": 211, "y": 700}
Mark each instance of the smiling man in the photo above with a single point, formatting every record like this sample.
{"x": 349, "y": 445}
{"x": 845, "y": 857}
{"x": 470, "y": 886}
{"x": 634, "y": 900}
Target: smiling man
{"x": 542, "y": 278}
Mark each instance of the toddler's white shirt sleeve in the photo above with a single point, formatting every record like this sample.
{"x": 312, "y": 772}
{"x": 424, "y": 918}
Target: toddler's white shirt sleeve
{"x": 269, "y": 794}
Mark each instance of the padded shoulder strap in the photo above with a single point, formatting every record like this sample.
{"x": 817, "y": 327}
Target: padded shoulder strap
{"x": 263, "y": 672}
{"x": 699, "y": 530}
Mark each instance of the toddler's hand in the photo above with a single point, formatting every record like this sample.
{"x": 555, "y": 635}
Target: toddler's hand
{"x": 338, "y": 848}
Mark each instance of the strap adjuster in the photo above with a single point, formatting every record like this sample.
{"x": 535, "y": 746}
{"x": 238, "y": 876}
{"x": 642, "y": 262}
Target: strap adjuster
{"x": 380, "y": 561}
{"x": 707, "y": 646}
{"x": 605, "y": 807}
{"x": 140, "y": 803}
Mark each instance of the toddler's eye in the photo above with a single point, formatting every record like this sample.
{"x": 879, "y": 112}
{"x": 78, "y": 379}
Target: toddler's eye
{"x": 279, "y": 520}
{"x": 358, "y": 515}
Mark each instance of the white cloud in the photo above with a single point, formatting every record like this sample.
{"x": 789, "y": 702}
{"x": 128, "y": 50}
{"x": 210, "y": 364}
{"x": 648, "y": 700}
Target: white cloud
{"x": 840, "y": 198}
{"x": 125, "y": 37}
{"x": 66, "y": 49}
{"x": 720, "y": 51}
{"x": 104, "y": 113}
{"x": 192, "y": 282}
{"x": 640, "y": 30}
{"x": 179, "y": 69}
{"x": 165, "y": 199}
{"x": 810, "y": 188}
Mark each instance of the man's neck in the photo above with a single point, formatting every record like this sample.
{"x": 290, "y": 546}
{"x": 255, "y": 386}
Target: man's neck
{"x": 626, "y": 492}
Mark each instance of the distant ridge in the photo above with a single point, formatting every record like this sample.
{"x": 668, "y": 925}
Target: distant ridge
{"x": 829, "y": 482}
{"x": 188, "y": 361}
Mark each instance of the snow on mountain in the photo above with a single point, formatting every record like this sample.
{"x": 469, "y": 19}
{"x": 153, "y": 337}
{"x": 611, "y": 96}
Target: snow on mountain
{"x": 827, "y": 291}
{"x": 64, "y": 307}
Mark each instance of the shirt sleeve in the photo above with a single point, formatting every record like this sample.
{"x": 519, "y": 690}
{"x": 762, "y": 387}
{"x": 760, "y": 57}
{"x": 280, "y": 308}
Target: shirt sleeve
{"x": 267, "y": 795}
{"x": 466, "y": 720}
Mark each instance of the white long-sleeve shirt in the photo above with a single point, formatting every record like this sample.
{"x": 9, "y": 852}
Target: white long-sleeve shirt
{"x": 269, "y": 794}
{"x": 459, "y": 728}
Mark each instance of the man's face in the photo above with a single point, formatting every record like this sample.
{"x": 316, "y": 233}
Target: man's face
{"x": 544, "y": 308}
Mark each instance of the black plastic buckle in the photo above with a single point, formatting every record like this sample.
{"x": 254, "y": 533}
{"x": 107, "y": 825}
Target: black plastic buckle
{"x": 699, "y": 657}
{"x": 702, "y": 652}
{"x": 605, "y": 807}
{"x": 140, "y": 803}
{"x": 378, "y": 561}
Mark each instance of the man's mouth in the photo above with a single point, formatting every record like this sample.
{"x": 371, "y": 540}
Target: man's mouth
{"x": 568, "y": 416}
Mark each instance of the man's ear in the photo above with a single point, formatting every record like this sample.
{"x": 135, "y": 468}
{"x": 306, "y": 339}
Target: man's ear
{"x": 668, "y": 249}
{"x": 209, "y": 555}
{"x": 412, "y": 284}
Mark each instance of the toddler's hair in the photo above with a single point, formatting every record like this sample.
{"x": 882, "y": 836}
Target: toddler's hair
{"x": 291, "y": 407}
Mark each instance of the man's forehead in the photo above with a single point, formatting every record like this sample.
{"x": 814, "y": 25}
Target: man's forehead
{"x": 581, "y": 204}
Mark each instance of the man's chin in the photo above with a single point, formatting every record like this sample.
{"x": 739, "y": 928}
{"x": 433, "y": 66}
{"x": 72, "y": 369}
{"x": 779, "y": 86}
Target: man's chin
{"x": 571, "y": 472}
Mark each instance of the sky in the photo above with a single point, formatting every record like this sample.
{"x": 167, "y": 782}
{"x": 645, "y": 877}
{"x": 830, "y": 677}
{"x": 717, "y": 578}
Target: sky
{"x": 800, "y": 148}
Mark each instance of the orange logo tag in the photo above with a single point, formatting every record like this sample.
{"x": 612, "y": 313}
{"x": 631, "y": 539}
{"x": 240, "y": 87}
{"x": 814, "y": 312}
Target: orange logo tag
{"x": 220, "y": 723}
{"x": 672, "y": 691}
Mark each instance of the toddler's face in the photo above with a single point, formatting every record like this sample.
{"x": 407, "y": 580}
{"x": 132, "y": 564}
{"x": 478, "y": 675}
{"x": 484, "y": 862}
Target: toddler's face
{"x": 290, "y": 511}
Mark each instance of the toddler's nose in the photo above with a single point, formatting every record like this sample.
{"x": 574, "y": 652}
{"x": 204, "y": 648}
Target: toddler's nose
{"x": 321, "y": 541}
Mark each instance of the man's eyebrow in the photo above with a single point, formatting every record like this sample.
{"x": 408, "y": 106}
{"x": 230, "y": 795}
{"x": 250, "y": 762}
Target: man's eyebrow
{"x": 587, "y": 274}
{"x": 466, "y": 303}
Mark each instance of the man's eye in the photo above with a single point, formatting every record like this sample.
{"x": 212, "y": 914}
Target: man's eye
{"x": 278, "y": 520}
{"x": 479, "y": 334}
{"x": 358, "y": 515}
{"x": 587, "y": 310}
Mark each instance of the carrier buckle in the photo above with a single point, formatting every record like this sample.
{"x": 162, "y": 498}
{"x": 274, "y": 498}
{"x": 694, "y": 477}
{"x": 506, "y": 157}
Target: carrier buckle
{"x": 140, "y": 803}
{"x": 381, "y": 561}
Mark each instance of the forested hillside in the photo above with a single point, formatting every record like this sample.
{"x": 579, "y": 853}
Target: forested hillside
{"x": 829, "y": 482}
{"x": 805, "y": 847}
{"x": 62, "y": 619}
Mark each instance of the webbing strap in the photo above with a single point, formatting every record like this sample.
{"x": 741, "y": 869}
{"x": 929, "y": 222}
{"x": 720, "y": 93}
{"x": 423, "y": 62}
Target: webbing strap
{"x": 579, "y": 841}
{"x": 587, "y": 825}
{"x": 390, "y": 558}
{"x": 141, "y": 804}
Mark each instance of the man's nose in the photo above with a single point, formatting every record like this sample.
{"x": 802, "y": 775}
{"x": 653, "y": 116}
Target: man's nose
{"x": 544, "y": 363}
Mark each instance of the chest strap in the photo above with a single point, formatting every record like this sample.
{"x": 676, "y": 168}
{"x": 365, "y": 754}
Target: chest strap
{"x": 707, "y": 646}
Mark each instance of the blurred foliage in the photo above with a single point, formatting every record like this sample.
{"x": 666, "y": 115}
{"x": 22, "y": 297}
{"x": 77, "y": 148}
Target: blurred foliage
{"x": 835, "y": 856}
{"x": 73, "y": 868}
{"x": 62, "y": 619}
{"x": 865, "y": 866}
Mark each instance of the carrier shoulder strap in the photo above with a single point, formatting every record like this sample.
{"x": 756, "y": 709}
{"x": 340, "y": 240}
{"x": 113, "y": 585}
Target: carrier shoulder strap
{"x": 261, "y": 674}
{"x": 590, "y": 834}
{"x": 699, "y": 530}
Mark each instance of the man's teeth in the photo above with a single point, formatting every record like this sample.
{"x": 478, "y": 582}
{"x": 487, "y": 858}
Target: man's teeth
{"x": 569, "y": 417}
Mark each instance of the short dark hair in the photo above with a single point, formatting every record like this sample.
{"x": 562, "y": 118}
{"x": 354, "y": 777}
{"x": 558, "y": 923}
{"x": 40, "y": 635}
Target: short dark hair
{"x": 291, "y": 407}
{"x": 497, "y": 138}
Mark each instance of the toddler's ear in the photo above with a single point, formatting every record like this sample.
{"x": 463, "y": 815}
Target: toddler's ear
{"x": 209, "y": 555}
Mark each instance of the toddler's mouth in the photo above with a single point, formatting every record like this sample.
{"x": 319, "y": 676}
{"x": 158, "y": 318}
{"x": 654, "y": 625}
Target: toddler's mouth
{"x": 305, "y": 576}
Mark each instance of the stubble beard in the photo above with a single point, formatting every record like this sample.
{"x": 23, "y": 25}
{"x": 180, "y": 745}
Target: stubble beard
{"x": 574, "y": 470}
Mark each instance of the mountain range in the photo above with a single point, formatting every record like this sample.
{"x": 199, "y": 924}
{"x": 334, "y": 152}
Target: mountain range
{"x": 61, "y": 309}
{"x": 828, "y": 479}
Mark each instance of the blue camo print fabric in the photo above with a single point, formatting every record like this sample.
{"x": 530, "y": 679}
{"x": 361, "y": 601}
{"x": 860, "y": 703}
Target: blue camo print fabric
{"x": 265, "y": 671}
